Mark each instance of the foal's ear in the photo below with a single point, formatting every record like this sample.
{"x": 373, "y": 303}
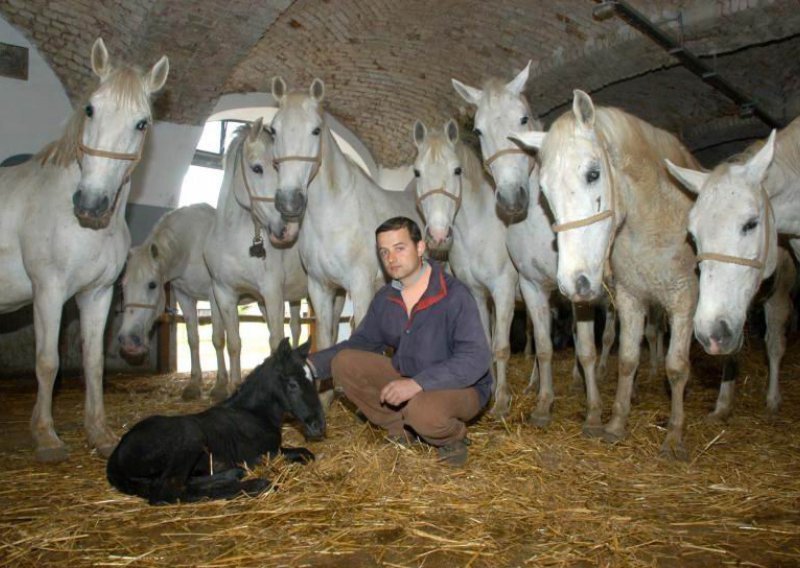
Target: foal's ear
{"x": 451, "y": 131}
{"x": 419, "y": 133}
{"x": 100, "y": 59}
{"x": 284, "y": 350}
{"x": 583, "y": 109}
{"x": 158, "y": 75}
{"x": 693, "y": 180}
{"x": 469, "y": 94}
{"x": 317, "y": 90}
{"x": 517, "y": 84}
{"x": 304, "y": 349}
{"x": 255, "y": 129}
{"x": 278, "y": 88}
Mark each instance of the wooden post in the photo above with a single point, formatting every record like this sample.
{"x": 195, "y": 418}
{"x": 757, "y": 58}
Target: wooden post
{"x": 167, "y": 360}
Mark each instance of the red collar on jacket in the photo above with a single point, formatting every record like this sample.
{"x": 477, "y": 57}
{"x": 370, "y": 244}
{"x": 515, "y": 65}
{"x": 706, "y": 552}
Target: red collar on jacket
{"x": 431, "y": 296}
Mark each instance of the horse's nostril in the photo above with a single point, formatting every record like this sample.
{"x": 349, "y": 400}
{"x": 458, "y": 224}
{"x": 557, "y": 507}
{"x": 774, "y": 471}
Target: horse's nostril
{"x": 582, "y": 285}
{"x": 76, "y": 198}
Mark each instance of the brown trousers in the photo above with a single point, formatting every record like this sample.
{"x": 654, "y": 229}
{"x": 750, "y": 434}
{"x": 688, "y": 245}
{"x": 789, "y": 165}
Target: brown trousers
{"x": 438, "y": 417}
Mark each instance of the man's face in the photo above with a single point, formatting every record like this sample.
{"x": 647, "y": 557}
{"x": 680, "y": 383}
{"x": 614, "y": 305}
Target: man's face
{"x": 400, "y": 257}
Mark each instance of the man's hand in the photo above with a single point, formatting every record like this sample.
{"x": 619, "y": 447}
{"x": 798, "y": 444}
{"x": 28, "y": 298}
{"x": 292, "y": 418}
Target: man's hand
{"x": 399, "y": 391}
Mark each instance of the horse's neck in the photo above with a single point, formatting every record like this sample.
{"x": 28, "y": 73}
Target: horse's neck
{"x": 335, "y": 180}
{"x": 783, "y": 181}
{"x": 233, "y": 215}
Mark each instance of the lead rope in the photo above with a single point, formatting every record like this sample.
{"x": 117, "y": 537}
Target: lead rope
{"x": 257, "y": 249}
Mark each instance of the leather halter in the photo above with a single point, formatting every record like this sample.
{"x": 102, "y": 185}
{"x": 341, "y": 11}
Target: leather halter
{"x": 443, "y": 191}
{"x": 316, "y": 162}
{"x": 757, "y": 263}
{"x": 487, "y": 164}
{"x": 257, "y": 249}
{"x": 137, "y": 305}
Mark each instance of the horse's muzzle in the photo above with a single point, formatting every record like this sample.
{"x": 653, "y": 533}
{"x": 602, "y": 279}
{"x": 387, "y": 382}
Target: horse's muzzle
{"x": 132, "y": 348}
{"x": 513, "y": 207}
{"x": 291, "y": 204}
{"x": 91, "y": 215}
{"x": 721, "y": 339}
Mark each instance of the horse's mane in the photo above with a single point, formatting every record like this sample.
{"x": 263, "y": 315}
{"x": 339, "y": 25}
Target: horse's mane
{"x": 165, "y": 239}
{"x": 125, "y": 85}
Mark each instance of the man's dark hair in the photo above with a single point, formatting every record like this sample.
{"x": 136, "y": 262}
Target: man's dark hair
{"x": 397, "y": 223}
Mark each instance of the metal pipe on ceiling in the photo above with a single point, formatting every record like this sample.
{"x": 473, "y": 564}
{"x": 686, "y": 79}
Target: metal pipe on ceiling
{"x": 747, "y": 105}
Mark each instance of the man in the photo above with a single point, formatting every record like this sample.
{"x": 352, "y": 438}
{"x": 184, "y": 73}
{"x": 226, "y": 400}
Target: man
{"x": 439, "y": 375}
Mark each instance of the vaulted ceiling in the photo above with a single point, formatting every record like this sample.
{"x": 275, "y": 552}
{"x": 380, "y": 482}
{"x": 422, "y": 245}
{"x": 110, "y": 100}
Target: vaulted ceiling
{"x": 387, "y": 62}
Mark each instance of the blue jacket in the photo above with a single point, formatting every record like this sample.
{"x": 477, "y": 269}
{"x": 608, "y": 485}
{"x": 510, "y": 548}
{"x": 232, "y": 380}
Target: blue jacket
{"x": 441, "y": 345}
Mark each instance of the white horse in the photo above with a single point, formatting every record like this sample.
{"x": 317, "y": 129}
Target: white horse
{"x": 742, "y": 206}
{"x": 604, "y": 177}
{"x": 340, "y": 206}
{"x": 63, "y": 234}
{"x": 241, "y": 264}
{"x": 454, "y": 199}
{"x": 501, "y": 108}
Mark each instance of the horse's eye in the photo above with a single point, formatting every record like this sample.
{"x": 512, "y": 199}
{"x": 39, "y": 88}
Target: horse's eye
{"x": 457, "y": 171}
{"x": 477, "y": 132}
{"x": 152, "y": 285}
{"x": 749, "y": 226}
{"x": 316, "y": 131}
{"x": 89, "y": 111}
{"x": 141, "y": 125}
{"x": 523, "y": 120}
{"x": 257, "y": 169}
{"x": 592, "y": 175}
{"x": 416, "y": 172}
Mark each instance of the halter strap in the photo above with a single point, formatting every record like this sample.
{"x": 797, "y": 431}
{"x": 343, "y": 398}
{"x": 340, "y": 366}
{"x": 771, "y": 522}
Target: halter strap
{"x": 558, "y": 228}
{"x": 487, "y": 164}
{"x": 136, "y": 305}
{"x": 315, "y": 160}
{"x": 257, "y": 249}
{"x": 443, "y": 191}
{"x": 757, "y": 263}
{"x": 251, "y": 195}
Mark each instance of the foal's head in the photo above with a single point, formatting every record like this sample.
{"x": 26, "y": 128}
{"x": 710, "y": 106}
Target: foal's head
{"x": 503, "y": 109}
{"x": 734, "y": 229}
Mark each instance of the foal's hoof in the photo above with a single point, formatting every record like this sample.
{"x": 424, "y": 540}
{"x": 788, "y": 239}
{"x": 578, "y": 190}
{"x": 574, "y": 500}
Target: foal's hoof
{"x": 191, "y": 392}
{"x": 256, "y": 486}
{"x": 51, "y": 455}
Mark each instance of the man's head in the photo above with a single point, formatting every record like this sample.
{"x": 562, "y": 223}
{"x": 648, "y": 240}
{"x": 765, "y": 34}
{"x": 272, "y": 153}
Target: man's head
{"x": 400, "y": 247}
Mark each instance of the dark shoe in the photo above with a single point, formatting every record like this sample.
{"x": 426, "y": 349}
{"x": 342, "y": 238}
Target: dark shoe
{"x": 454, "y": 454}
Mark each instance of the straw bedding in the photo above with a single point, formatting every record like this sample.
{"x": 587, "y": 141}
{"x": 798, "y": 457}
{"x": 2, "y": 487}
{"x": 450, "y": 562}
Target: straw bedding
{"x": 527, "y": 497}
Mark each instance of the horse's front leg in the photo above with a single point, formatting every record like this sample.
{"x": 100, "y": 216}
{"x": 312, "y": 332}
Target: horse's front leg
{"x": 609, "y": 335}
{"x": 275, "y": 314}
{"x": 503, "y": 298}
{"x": 538, "y": 303}
{"x": 677, "y": 364}
{"x": 94, "y": 305}
{"x": 321, "y": 297}
{"x": 586, "y": 353}
{"x": 189, "y": 309}
{"x": 227, "y": 301}
{"x": 777, "y": 310}
{"x": 47, "y": 308}
{"x": 294, "y": 322}
{"x": 218, "y": 340}
{"x": 631, "y": 317}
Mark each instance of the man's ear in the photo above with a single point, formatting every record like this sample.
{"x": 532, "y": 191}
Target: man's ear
{"x": 421, "y": 248}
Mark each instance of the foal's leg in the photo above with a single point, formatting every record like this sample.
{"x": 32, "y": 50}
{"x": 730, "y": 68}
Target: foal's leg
{"x": 47, "y": 308}
{"x": 631, "y": 317}
{"x": 218, "y": 340}
{"x": 189, "y": 309}
{"x": 586, "y": 353}
{"x": 538, "y": 303}
{"x": 94, "y": 305}
{"x": 778, "y": 309}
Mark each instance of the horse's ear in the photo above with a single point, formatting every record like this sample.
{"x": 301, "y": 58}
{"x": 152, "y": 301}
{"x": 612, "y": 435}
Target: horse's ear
{"x": 419, "y": 133}
{"x": 304, "y": 349}
{"x": 583, "y": 108}
{"x": 317, "y": 90}
{"x": 451, "y": 131}
{"x": 517, "y": 84}
{"x": 158, "y": 75}
{"x": 469, "y": 94}
{"x": 278, "y": 88}
{"x": 154, "y": 251}
{"x": 100, "y": 59}
{"x": 756, "y": 167}
{"x": 693, "y": 180}
{"x": 255, "y": 129}
{"x": 530, "y": 139}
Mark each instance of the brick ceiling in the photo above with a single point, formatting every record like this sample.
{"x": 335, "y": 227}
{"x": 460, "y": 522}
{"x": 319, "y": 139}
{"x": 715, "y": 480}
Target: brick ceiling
{"x": 387, "y": 62}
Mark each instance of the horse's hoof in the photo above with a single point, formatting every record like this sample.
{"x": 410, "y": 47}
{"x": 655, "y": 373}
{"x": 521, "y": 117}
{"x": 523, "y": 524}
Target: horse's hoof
{"x": 52, "y": 455}
{"x": 540, "y": 419}
{"x": 105, "y": 450}
{"x": 499, "y": 410}
{"x": 674, "y": 452}
{"x": 219, "y": 393}
{"x": 718, "y": 416}
{"x": 191, "y": 392}
{"x": 593, "y": 430}
{"x": 611, "y": 436}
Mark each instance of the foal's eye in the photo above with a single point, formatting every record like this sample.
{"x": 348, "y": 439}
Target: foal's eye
{"x": 416, "y": 172}
{"x": 477, "y": 132}
{"x": 750, "y": 225}
{"x": 592, "y": 175}
{"x": 258, "y": 169}
{"x": 152, "y": 285}
{"x": 316, "y": 131}
{"x": 89, "y": 110}
{"x": 524, "y": 120}
{"x": 457, "y": 171}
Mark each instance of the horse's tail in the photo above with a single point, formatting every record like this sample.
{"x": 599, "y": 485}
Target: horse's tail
{"x": 224, "y": 485}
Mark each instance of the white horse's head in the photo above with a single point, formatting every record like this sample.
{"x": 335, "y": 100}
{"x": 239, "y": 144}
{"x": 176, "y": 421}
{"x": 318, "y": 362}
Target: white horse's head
{"x": 502, "y": 109}
{"x": 255, "y": 181}
{"x": 733, "y": 227}
{"x": 297, "y": 128}
{"x": 577, "y": 179}
{"x": 438, "y": 171}
{"x": 110, "y": 134}
{"x": 144, "y": 297}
